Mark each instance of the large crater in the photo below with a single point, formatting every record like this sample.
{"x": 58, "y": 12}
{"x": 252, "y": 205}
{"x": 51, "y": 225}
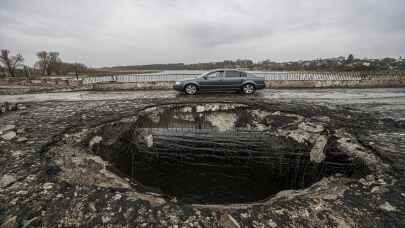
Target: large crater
{"x": 220, "y": 153}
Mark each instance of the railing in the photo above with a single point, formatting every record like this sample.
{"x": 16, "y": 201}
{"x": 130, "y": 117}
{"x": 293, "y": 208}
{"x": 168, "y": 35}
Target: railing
{"x": 308, "y": 76}
{"x": 138, "y": 78}
{"x": 272, "y": 76}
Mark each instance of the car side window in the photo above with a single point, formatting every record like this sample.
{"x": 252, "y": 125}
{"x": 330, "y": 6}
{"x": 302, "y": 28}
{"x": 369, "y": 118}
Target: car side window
{"x": 233, "y": 74}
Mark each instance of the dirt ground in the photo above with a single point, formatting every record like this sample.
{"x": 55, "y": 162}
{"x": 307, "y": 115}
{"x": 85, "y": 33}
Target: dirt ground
{"x": 50, "y": 178}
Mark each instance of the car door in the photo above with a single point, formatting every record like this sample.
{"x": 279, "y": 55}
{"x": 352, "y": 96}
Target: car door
{"x": 212, "y": 80}
{"x": 233, "y": 79}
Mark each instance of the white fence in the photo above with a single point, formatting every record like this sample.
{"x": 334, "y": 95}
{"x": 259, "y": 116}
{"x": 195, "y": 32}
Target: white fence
{"x": 272, "y": 76}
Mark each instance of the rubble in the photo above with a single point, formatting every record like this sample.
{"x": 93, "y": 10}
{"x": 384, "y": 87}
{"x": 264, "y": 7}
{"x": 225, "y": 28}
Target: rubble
{"x": 9, "y": 135}
{"x": 95, "y": 140}
{"x": 7, "y": 127}
{"x": 6, "y": 180}
{"x": 387, "y": 207}
{"x": 317, "y": 152}
{"x": 56, "y": 181}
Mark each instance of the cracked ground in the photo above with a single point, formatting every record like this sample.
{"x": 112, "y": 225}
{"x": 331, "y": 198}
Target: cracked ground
{"x": 36, "y": 190}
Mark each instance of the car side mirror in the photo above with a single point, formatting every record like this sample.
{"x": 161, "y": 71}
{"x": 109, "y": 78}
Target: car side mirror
{"x": 205, "y": 77}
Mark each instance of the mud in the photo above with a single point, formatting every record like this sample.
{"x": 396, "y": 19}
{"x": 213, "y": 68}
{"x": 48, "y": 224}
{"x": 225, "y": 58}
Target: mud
{"x": 64, "y": 173}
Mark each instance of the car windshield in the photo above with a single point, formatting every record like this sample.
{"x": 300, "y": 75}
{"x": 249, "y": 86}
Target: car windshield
{"x": 212, "y": 74}
{"x": 202, "y": 75}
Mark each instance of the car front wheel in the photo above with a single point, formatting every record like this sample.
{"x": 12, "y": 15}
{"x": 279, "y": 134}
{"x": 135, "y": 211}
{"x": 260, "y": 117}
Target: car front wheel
{"x": 190, "y": 89}
{"x": 248, "y": 89}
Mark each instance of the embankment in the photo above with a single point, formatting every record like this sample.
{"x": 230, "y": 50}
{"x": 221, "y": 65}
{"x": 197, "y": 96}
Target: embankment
{"x": 20, "y": 86}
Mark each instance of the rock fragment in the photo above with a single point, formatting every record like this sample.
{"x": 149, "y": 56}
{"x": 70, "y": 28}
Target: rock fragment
{"x": 223, "y": 121}
{"x": 20, "y": 131}
{"x": 149, "y": 141}
{"x": 6, "y": 128}
{"x": 21, "y": 107}
{"x": 311, "y": 127}
{"x": 117, "y": 196}
{"x": 272, "y": 224}
{"x": 227, "y": 221}
{"x": 10, "y": 223}
{"x": 95, "y": 140}
{"x": 22, "y": 139}
{"x": 48, "y": 186}
{"x": 9, "y": 135}
{"x": 92, "y": 206}
{"x": 387, "y": 207}
{"x": 317, "y": 152}
{"x": 105, "y": 219}
{"x": 6, "y": 180}
{"x": 29, "y": 223}
{"x": 16, "y": 154}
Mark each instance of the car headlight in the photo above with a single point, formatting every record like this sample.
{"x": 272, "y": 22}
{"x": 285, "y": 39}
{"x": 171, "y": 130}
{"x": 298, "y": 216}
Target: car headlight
{"x": 178, "y": 83}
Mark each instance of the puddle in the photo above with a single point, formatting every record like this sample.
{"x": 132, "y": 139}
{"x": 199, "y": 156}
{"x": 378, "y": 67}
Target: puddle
{"x": 222, "y": 153}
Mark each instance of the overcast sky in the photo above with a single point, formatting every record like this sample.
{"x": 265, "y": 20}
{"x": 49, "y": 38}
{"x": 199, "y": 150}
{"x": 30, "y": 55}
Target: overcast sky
{"x": 129, "y": 32}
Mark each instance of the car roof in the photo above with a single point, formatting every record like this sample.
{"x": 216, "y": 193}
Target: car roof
{"x": 225, "y": 69}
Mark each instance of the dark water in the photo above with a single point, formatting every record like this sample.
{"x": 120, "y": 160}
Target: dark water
{"x": 193, "y": 183}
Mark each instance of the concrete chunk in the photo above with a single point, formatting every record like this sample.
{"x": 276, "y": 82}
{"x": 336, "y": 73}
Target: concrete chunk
{"x": 317, "y": 152}
{"x": 9, "y": 135}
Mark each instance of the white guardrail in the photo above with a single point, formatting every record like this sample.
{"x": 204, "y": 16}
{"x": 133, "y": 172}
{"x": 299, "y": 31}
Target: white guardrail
{"x": 272, "y": 76}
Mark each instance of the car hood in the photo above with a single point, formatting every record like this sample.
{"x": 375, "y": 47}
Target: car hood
{"x": 186, "y": 80}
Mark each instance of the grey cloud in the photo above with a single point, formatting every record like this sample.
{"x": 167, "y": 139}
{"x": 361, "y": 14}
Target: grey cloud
{"x": 212, "y": 35}
{"x": 102, "y": 32}
{"x": 45, "y": 18}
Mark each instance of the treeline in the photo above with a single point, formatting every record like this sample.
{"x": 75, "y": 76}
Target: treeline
{"x": 48, "y": 63}
{"x": 51, "y": 63}
{"x": 182, "y": 66}
{"x": 349, "y": 63}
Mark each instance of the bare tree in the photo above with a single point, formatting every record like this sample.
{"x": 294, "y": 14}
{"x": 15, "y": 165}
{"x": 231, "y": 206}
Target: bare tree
{"x": 55, "y": 63}
{"x": 49, "y": 62}
{"x": 78, "y": 68}
{"x": 43, "y": 63}
{"x": 27, "y": 72}
{"x": 10, "y": 62}
{"x": 2, "y": 71}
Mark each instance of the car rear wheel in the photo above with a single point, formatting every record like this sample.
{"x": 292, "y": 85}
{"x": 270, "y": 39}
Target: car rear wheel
{"x": 248, "y": 88}
{"x": 190, "y": 89}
